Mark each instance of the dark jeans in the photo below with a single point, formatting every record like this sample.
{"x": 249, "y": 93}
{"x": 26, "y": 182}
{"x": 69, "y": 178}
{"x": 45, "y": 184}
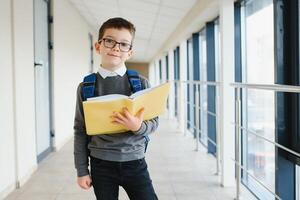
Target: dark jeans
{"x": 133, "y": 176}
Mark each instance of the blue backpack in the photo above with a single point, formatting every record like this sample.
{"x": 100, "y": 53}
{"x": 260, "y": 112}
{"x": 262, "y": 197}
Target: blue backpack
{"x": 89, "y": 82}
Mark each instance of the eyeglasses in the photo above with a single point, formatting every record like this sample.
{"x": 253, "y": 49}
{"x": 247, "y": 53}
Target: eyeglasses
{"x": 110, "y": 43}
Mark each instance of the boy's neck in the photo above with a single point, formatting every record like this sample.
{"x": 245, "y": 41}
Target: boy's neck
{"x": 111, "y": 68}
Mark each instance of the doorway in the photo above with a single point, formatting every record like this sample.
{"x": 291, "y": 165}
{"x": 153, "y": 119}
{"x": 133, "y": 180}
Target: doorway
{"x": 42, "y": 79}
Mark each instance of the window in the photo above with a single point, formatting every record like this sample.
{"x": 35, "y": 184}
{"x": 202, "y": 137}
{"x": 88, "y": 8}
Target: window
{"x": 160, "y": 71}
{"x": 212, "y": 60}
{"x": 217, "y": 50}
{"x": 258, "y": 106}
{"x": 176, "y": 77}
{"x": 190, "y": 94}
{"x": 266, "y": 62}
{"x": 203, "y": 88}
{"x": 297, "y": 183}
{"x": 167, "y": 78}
{"x": 287, "y": 118}
{"x": 167, "y": 67}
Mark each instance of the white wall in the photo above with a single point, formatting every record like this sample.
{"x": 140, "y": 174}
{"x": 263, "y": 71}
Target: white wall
{"x": 183, "y": 77}
{"x": 24, "y": 85}
{"x": 71, "y": 58}
{"x": 226, "y": 75}
{"x": 17, "y": 87}
{"x": 6, "y": 105}
{"x": 71, "y": 61}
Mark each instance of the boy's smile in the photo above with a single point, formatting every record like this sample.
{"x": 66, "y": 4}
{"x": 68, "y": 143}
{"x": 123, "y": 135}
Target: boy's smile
{"x": 113, "y": 55}
{"x": 111, "y": 48}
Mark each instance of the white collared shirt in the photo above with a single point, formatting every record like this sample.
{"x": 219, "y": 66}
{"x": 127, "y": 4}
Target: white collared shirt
{"x": 106, "y": 73}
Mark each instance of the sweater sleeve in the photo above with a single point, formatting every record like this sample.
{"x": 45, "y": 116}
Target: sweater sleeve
{"x": 148, "y": 126}
{"x": 81, "y": 139}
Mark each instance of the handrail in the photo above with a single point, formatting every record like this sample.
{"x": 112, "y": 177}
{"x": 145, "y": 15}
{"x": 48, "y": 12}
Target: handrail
{"x": 256, "y": 179}
{"x": 272, "y": 87}
{"x": 210, "y": 83}
{"x": 268, "y": 140}
{"x": 238, "y": 87}
{"x": 195, "y": 105}
{"x": 269, "y": 87}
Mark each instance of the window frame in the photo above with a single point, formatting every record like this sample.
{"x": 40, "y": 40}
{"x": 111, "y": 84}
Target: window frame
{"x": 196, "y": 77}
{"x": 190, "y": 97}
{"x": 211, "y": 50}
{"x": 240, "y": 76}
{"x": 176, "y": 53}
{"x": 287, "y": 66}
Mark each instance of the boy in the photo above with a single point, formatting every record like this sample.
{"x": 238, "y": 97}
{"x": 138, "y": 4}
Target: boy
{"x": 116, "y": 159}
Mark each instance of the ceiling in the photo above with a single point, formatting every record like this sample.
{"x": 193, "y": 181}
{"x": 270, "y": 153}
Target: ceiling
{"x": 154, "y": 20}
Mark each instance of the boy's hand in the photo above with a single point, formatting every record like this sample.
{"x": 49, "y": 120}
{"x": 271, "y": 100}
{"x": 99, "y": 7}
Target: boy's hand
{"x": 131, "y": 122}
{"x": 85, "y": 182}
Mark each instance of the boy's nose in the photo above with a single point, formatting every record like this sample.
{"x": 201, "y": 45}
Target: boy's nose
{"x": 116, "y": 47}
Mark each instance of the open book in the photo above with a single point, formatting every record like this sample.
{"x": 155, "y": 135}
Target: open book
{"x": 98, "y": 110}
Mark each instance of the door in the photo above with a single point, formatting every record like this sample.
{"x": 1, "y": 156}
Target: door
{"x": 41, "y": 65}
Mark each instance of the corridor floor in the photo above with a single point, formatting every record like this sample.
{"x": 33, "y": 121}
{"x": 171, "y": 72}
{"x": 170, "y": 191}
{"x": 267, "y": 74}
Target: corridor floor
{"x": 177, "y": 170}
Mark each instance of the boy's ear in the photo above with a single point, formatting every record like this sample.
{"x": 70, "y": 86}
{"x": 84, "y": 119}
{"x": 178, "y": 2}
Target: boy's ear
{"x": 130, "y": 53}
{"x": 97, "y": 47}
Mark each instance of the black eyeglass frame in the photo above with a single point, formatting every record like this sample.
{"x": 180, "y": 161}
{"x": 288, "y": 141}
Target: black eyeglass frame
{"x": 115, "y": 43}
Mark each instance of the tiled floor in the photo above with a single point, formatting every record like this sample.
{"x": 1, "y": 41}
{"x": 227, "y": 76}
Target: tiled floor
{"x": 177, "y": 170}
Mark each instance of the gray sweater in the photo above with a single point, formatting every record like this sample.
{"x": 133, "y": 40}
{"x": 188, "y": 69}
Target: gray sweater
{"x": 113, "y": 147}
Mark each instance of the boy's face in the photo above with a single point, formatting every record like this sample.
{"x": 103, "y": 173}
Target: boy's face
{"x": 114, "y": 57}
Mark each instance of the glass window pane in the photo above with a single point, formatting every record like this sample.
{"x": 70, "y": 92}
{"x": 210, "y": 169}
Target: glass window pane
{"x": 217, "y": 49}
{"x": 258, "y": 68}
{"x": 298, "y": 183}
{"x": 160, "y": 71}
{"x": 260, "y": 42}
{"x": 167, "y": 67}
{"x": 176, "y": 77}
{"x": 190, "y": 87}
{"x": 203, "y": 88}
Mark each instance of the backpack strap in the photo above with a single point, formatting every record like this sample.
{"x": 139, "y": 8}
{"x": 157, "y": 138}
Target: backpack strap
{"x": 88, "y": 89}
{"x": 136, "y": 85}
{"x": 134, "y": 80}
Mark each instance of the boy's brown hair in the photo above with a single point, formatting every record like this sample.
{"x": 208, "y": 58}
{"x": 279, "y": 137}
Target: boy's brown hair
{"x": 117, "y": 23}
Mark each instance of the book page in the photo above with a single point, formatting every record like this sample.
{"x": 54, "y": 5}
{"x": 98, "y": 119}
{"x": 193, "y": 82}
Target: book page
{"x": 141, "y": 92}
{"x": 153, "y": 101}
{"x": 134, "y": 95}
{"x": 108, "y": 97}
{"x": 98, "y": 115}
{"x": 98, "y": 112}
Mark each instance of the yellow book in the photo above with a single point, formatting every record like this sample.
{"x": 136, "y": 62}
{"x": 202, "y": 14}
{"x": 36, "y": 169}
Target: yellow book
{"x": 98, "y": 110}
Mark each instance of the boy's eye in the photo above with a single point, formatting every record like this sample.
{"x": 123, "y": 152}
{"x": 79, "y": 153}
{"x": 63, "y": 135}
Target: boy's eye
{"x": 110, "y": 41}
{"x": 124, "y": 44}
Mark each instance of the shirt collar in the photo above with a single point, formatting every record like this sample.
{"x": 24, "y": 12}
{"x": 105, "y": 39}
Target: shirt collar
{"x": 106, "y": 73}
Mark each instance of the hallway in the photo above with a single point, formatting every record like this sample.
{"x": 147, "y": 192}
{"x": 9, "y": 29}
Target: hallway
{"x": 235, "y": 75}
{"x": 178, "y": 172}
